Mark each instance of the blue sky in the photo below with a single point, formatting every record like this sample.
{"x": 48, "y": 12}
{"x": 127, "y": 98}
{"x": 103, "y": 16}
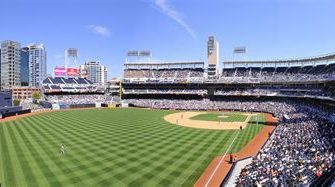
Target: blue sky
{"x": 175, "y": 30}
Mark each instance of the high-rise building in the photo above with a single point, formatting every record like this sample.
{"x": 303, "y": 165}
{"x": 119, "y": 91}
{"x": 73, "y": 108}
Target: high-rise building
{"x": 6, "y": 99}
{"x": 0, "y": 66}
{"x": 212, "y": 57}
{"x": 95, "y": 72}
{"x": 25, "y": 66}
{"x": 37, "y": 64}
{"x": 10, "y": 64}
{"x": 103, "y": 74}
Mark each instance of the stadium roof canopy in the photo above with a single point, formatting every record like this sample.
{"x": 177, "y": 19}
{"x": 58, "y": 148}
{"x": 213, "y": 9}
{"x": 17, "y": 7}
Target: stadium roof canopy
{"x": 310, "y": 61}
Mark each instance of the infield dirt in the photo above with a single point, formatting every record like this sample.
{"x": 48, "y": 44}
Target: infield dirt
{"x": 184, "y": 119}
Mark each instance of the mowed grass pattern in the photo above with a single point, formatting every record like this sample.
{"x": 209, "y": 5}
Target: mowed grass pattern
{"x": 109, "y": 147}
{"x": 215, "y": 116}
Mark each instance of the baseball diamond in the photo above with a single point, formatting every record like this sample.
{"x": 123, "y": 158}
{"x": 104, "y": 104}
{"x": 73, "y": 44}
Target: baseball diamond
{"x": 221, "y": 116}
{"x": 122, "y": 147}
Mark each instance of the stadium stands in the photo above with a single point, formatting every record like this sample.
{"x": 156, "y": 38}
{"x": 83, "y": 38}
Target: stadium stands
{"x": 164, "y": 72}
{"x": 76, "y": 99}
{"x": 311, "y": 69}
{"x": 278, "y": 91}
{"x": 171, "y": 75}
{"x": 62, "y": 93}
{"x": 300, "y": 152}
{"x": 320, "y": 68}
{"x": 297, "y": 70}
{"x": 164, "y": 91}
{"x": 278, "y": 74}
{"x": 70, "y": 85}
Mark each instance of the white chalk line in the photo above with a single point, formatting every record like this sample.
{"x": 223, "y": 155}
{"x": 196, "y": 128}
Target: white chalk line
{"x": 217, "y": 167}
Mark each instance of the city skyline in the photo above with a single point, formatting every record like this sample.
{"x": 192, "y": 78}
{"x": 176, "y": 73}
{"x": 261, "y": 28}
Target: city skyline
{"x": 172, "y": 30}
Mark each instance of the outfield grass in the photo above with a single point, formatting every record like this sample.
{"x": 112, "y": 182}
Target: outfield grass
{"x": 215, "y": 116}
{"x": 108, "y": 147}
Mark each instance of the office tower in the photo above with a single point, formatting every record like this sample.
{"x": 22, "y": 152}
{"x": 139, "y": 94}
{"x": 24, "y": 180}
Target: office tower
{"x": 95, "y": 72}
{"x": 10, "y": 64}
{"x": 24, "y": 66}
{"x": 37, "y": 64}
{"x": 0, "y": 66}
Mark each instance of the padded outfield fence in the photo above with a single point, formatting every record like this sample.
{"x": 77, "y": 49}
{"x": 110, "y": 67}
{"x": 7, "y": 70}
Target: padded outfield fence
{"x": 9, "y": 114}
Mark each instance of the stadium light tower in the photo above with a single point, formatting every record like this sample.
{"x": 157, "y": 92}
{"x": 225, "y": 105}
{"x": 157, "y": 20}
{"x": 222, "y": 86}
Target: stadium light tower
{"x": 139, "y": 56}
{"x": 240, "y": 52}
{"x": 71, "y": 57}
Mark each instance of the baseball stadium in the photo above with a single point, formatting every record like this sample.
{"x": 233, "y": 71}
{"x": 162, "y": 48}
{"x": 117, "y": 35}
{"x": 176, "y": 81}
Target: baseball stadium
{"x": 268, "y": 123}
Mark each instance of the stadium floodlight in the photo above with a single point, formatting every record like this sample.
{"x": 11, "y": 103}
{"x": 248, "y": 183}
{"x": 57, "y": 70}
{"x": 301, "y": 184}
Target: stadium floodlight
{"x": 139, "y": 53}
{"x": 145, "y": 53}
{"x": 132, "y": 53}
{"x": 71, "y": 57}
{"x": 139, "y": 56}
{"x": 240, "y": 52}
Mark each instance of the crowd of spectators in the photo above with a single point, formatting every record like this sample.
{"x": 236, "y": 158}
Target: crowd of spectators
{"x": 281, "y": 74}
{"x": 180, "y": 75}
{"x": 300, "y": 150}
{"x": 46, "y": 102}
{"x": 306, "y": 92}
{"x": 278, "y": 108}
{"x": 165, "y": 91}
{"x": 292, "y": 77}
{"x": 251, "y": 74}
{"x": 77, "y": 99}
{"x": 246, "y": 92}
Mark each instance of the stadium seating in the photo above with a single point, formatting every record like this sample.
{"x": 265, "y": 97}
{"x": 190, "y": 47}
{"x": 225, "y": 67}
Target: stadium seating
{"x": 76, "y": 99}
{"x": 280, "y": 74}
{"x": 164, "y": 91}
{"x": 306, "y": 92}
{"x": 163, "y": 75}
{"x": 61, "y": 84}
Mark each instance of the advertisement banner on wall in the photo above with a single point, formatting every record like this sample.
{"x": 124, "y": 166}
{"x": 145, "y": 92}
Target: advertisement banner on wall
{"x": 73, "y": 72}
{"x": 60, "y": 72}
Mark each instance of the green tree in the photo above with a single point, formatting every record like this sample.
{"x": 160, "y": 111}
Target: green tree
{"x": 16, "y": 102}
{"x": 36, "y": 96}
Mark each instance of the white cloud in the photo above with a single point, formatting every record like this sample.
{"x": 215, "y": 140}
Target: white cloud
{"x": 100, "y": 30}
{"x": 168, "y": 10}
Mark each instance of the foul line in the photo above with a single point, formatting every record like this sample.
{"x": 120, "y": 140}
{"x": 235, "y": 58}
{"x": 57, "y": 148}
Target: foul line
{"x": 217, "y": 167}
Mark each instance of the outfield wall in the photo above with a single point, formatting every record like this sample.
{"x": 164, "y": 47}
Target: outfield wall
{"x": 17, "y": 111}
{"x": 73, "y": 106}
